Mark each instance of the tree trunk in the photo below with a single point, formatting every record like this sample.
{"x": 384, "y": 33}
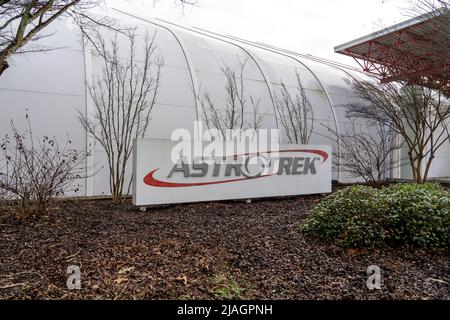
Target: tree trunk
{"x": 412, "y": 165}
{"x": 418, "y": 170}
{"x": 116, "y": 197}
{"x": 427, "y": 168}
{"x": 3, "y": 66}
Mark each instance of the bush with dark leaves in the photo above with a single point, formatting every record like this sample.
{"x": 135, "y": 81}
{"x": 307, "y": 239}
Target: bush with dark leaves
{"x": 404, "y": 214}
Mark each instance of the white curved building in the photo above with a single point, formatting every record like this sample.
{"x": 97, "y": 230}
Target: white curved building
{"x": 53, "y": 85}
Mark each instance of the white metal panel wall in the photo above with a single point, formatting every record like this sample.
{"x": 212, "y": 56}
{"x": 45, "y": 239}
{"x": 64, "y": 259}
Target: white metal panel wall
{"x": 336, "y": 81}
{"x": 210, "y": 57}
{"x": 49, "y": 86}
{"x": 277, "y": 69}
{"x": 440, "y": 166}
{"x": 283, "y": 69}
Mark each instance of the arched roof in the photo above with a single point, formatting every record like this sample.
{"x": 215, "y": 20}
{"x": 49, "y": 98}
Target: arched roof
{"x": 205, "y": 53}
{"x": 54, "y": 85}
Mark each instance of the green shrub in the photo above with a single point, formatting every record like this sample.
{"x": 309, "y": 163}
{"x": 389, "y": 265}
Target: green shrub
{"x": 411, "y": 214}
{"x": 352, "y": 216}
{"x": 419, "y": 214}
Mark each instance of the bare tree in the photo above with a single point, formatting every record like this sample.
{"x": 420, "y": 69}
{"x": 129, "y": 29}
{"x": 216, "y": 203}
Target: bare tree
{"x": 418, "y": 115}
{"x": 21, "y": 22}
{"x": 238, "y": 104}
{"x": 24, "y": 21}
{"x": 367, "y": 152}
{"x": 124, "y": 95}
{"x": 34, "y": 172}
{"x": 295, "y": 113}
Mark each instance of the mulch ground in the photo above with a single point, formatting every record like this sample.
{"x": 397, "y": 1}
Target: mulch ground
{"x": 207, "y": 251}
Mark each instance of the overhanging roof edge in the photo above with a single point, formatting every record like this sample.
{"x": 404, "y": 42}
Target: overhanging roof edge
{"x": 396, "y": 27}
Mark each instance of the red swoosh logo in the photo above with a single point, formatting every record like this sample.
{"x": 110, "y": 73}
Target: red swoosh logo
{"x": 321, "y": 153}
{"x": 150, "y": 180}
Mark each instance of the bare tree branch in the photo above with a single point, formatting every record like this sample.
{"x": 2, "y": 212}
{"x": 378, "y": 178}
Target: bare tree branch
{"x": 241, "y": 111}
{"x": 367, "y": 151}
{"x": 419, "y": 115}
{"x": 23, "y": 22}
{"x": 295, "y": 113}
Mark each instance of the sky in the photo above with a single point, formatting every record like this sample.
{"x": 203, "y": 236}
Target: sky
{"x": 305, "y": 26}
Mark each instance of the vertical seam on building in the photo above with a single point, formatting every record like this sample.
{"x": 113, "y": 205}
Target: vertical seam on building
{"x": 90, "y": 158}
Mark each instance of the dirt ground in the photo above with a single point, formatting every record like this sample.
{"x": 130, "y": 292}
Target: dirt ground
{"x": 208, "y": 251}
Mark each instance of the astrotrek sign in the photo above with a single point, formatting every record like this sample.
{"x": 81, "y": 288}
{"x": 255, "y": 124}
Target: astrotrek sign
{"x": 160, "y": 177}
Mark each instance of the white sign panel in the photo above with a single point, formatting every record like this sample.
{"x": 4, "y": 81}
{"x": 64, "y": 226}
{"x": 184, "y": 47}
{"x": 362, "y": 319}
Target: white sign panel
{"x": 289, "y": 170}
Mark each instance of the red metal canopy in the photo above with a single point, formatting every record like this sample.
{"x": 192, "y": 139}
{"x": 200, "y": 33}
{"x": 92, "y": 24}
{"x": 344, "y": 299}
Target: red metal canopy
{"x": 416, "y": 51}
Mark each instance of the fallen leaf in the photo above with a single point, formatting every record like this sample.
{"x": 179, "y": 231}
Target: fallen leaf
{"x": 183, "y": 279}
{"x": 126, "y": 270}
{"x": 120, "y": 280}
